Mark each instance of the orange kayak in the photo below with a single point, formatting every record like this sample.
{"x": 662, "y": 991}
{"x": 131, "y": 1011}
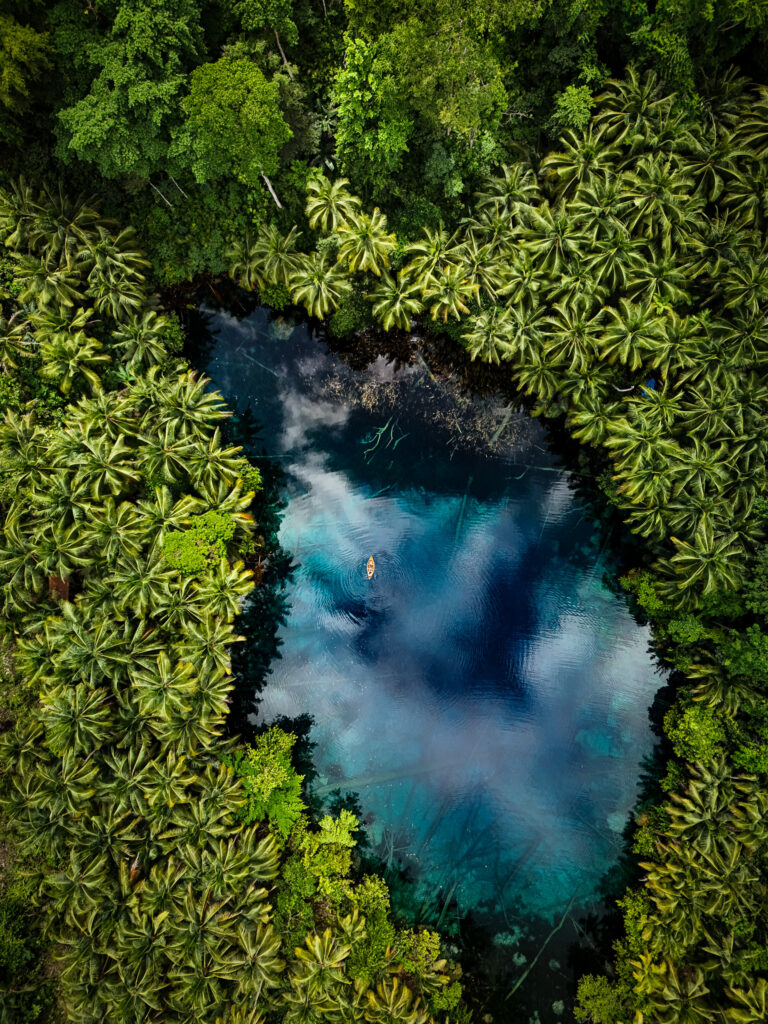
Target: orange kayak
{"x": 370, "y": 567}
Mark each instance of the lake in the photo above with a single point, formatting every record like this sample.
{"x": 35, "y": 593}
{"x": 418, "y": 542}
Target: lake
{"x": 485, "y": 693}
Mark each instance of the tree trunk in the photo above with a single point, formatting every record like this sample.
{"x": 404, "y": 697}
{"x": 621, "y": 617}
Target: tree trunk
{"x": 58, "y": 587}
{"x": 272, "y": 192}
{"x": 285, "y": 59}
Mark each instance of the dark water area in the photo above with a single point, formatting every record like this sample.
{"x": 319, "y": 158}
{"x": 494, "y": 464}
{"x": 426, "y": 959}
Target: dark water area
{"x": 486, "y": 693}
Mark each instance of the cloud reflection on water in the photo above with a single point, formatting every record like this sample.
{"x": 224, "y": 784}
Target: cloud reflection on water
{"x": 485, "y": 692}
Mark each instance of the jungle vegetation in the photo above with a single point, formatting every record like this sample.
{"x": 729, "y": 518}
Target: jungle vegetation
{"x": 574, "y": 193}
{"x": 178, "y": 876}
{"x": 623, "y": 280}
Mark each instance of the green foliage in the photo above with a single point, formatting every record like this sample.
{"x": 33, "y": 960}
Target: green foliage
{"x": 599, "y": 1002}
{"x": 696, "y": 732}
{"x": 137, "y": 65}
{"x": 271, "y": 784}
{"x": 352, "y": 316}
{"x": 26, "y": 996}
{"x": 25, "y": 55}
{"x": 686, "y": 629}
{"x": 234, "y": 127}
{"x": 373, "y": 129}
{"x": 755, "y": 585}
{"x": 573, "y": 107}
{"x": 201, "y": 546}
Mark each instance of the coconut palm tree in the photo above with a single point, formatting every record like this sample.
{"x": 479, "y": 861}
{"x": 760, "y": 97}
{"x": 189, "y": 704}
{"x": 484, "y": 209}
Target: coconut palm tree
{"x": 395, "y": 302}
{"x": 319, "y": 285}
{"x": 667, "y": 208}
{"x": 514, "y": 191}
{"x": 615, "y": 258}
{"x": 276, "y": 255}
{"x": 552, "y": 239}
{"x": 46, "y": 285}
{"x": 448, "y": 294}
{"x": 64, "y": 225}
{"x": 141, "y": 340}
{"x": 482, "y": 267}
{"x": 626, "y": 105}
{"x": 16, "y": 339}
{"x": 489, "y": 335}
{"x": 329, "y": 204}
{"x": 364, "y": 243}
{"x": 572, "y": 335}
{"x": 600, "y": 206}
{"x": 431, "y": 256}
{"x": 244, "y": 259}
{"x": 709, "y": 561}
{"x": 749, "y": 1003}
{"x": 69, "y": 357}
{"x": 585, "y": 158}
{"x": 630, "y": 334}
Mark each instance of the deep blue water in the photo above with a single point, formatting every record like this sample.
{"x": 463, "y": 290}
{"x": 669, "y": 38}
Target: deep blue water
{"x": 485, "y": 693}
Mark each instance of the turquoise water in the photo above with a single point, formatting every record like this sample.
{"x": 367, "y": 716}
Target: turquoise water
{"x": 485, "y": 693}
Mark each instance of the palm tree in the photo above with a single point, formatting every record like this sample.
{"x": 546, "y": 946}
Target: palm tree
{"x": 507, "y": 195}
{"x": 628, "y": 104}
{"x": 750, "y": 1004}
{"x": 630, "y": 334}
{"x": 489, "y": 335}
{"x": 660, "y": 278}
{"x": 712, "y": 162}
{"x": 482, "y": 267}
{"x": 19, "y": 213}
{"x": 709, "y": 562}
{"x": 77, "y": 719}
{"x": 212, "y": 463}
{"x": 600, "y": 206}
{"x": 667, "y": 209}
{"x": 586, "y": 158}
{"x": 365, "y": 244}
{"x": 141, "y": 340}
{"x": 102, "y": 465}
{"x": 319, "y": 285}
{"x": 431, "y": 256}
{"x": 186, "y": 402}
{"x": 244, "y": 259}
{"x": 745, "y": 194}
{"x": 753, "y": 128}
{"x": 114, "y": 257}
{"x": 395, "y": 302}
{"x": 491, "y": 229}
{"x": 329, "y": 204}
{"x": 552, "y": 238}
{"x": 615, "y": 258}
{"x": 746, "y": 287}
{"x": 572, "y": 336}
{"x": 276, "y": 254}
{"x": 64, "y": 225}
{"x": 16, "y": 339}
{"x": 46, "y": 285}
{"x": 524, "y": 279}
{"x": 448, "y": 294}
{"x": 67, "y": 357}
{"x": 116, "y": 531}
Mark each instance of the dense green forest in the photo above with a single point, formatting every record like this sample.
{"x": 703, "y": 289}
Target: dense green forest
{"x": 575, "y": 193}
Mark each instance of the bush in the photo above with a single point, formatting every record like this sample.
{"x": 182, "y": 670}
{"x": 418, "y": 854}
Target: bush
{"x": 696, "y": 732}
{"x": 353, "y": 316}
{"x": 194, "y": 550}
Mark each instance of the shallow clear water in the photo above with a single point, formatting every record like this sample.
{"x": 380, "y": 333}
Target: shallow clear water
{"x": 485, "y": 693}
